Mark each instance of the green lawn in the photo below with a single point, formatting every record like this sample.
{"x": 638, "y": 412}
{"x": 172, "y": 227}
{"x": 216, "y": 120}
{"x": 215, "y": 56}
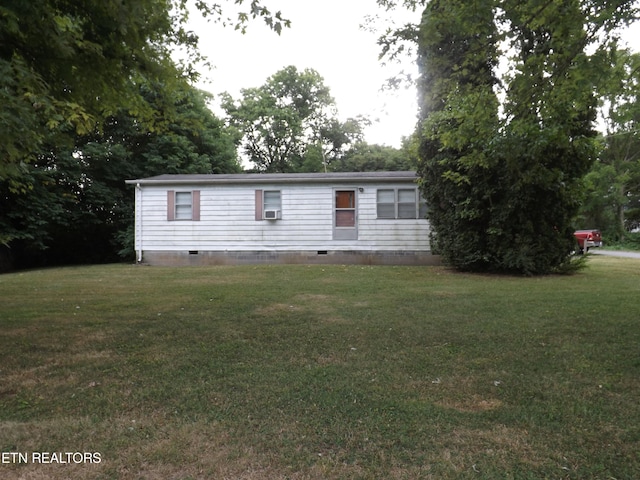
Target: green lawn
{"x": 321, "y": 372}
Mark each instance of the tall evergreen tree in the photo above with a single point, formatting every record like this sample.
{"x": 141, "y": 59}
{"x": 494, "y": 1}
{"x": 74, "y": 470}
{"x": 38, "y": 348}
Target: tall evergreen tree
{"x": 459, "y": 112}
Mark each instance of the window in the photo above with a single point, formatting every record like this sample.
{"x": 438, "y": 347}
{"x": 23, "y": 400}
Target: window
{"x": 407, "y": 203}
{"x": 400, "y": 203}
{"x": 272, "y": 201}
{"x": 386, "y": 204}
{"x": 345, "y": 208}
{"x": 183, "y": 205}
{"x": 268, "y": 205}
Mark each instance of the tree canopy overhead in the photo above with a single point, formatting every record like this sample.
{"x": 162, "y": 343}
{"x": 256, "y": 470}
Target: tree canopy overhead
{"x": 67, "y": 65}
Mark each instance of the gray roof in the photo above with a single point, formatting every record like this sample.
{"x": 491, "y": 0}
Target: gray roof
{"x": 259, "y": 178}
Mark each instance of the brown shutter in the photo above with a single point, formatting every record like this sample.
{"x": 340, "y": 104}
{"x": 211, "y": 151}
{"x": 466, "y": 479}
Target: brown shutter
{"x": 258, "y": 205}
{"x": 195, "y": 205}
{"x": 171, "y": 205}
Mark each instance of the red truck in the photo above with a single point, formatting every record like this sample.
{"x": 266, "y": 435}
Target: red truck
{"x": 587, "y": 239}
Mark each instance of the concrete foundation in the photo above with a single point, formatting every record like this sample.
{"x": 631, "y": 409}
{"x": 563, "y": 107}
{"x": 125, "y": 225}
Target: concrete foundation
{"x": 198, "y": 258}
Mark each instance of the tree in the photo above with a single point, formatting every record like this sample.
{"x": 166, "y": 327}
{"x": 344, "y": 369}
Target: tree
{"x": 76, "y": 116}
{"x": 77, "y": 207}
{"x": 503, "y": 173}
{"x": 459, "y": 117}
{"x": 289, "y": 123}
{"x": 505, "y": 192}
{"x": 546, "y": 139}
{"x": 613, "y": 184}
{"x": 66, "y": 66}
{"x": 365, "y": 157}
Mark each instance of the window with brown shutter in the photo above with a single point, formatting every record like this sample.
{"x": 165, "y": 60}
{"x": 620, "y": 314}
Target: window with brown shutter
{"x": 183, "y": 205}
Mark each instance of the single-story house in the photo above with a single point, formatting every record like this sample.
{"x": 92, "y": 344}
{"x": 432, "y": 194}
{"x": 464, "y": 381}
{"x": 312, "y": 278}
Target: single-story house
{"x": 355, "y": 217}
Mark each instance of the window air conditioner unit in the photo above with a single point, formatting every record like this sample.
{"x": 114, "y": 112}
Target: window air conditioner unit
{"x": 272, "y": 215}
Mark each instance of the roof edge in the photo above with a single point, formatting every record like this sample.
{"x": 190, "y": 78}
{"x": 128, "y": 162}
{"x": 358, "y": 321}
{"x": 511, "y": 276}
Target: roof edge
{"x": 258, "y": 178}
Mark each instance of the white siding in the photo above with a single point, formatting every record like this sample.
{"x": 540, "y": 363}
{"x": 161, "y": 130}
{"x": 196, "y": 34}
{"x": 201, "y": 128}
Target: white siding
{"x": 227, "y": 221}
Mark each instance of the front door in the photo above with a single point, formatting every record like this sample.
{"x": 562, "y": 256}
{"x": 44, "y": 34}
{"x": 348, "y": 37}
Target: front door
{"x": 345, "y": 215}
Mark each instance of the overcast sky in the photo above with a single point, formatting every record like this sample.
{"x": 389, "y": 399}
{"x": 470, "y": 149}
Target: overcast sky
{"x": 325, "y": 35}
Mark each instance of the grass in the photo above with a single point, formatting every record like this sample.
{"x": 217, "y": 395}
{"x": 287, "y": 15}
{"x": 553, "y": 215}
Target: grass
{"x": 321, "y": 372}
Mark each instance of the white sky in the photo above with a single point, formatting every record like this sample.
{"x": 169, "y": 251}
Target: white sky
{"x": 325, "y": 35}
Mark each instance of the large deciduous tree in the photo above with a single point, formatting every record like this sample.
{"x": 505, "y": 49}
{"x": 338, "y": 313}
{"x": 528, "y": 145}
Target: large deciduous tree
{"x": 365, "y": 157}
{"x": 546, "y": 138}
{"x": 89, "y": 96}
{"x": 77, "y": 207}
{"x": 290, "y": 123}
{"x": 502, "y": 163}
{"x": 613, "y": 184}
{"x": 67, "y": 65}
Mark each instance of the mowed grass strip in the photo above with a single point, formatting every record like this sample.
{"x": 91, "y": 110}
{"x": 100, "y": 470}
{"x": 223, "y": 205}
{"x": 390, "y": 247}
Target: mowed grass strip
{"x": 320, "y": 372}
